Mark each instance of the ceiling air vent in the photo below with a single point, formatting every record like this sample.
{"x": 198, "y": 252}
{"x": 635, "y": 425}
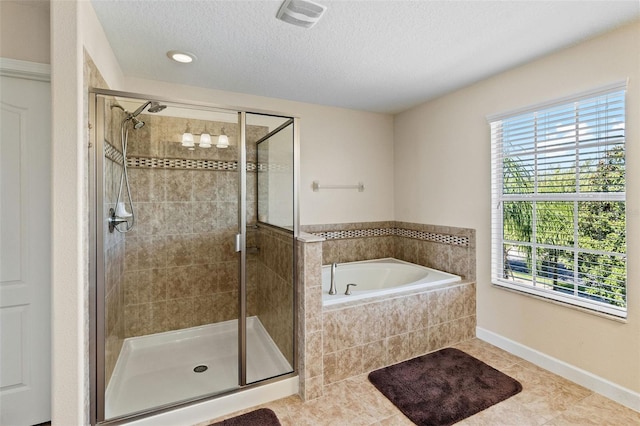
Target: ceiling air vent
{"x": 303, "y": 13}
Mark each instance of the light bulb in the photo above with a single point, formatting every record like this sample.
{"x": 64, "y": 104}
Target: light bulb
{"x": 187, "y": 139}
{"x": 205, "y": 140}
{"x": 223, "y": 142}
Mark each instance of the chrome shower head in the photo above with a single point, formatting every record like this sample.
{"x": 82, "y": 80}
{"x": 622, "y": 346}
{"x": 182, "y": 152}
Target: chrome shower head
{"x": 153, "y": 107}
{"x": 156, "y": 107}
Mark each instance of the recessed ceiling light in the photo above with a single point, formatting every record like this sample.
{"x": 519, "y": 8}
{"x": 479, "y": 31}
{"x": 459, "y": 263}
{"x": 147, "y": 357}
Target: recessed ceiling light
{"x": 180, "y": 56}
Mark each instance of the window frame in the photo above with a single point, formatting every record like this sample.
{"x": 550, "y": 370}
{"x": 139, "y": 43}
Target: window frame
{"x": 499, "y": 197}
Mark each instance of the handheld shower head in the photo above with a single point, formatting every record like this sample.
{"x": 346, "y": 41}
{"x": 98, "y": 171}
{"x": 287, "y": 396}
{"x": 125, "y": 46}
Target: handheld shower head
{"x": 137, "y": 124}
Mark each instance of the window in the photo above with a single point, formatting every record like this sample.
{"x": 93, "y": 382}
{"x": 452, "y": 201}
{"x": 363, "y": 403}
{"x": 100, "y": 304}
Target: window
{"x": 558, "y": 201}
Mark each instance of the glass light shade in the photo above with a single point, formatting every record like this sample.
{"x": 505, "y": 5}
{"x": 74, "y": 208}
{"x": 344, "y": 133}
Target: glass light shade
{"x": 205, "y": 140}
{"x": 180, "y": 56}
{"x": 223, "y": 142}
{"x": 187, "y": 139}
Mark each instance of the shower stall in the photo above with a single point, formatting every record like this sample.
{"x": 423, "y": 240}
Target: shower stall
{"x": 193, "y": 224}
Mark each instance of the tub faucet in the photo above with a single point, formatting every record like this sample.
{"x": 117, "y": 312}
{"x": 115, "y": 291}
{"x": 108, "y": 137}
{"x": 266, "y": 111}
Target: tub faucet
{"x": 332, "y": 289}
{"x": 348, "y": 292}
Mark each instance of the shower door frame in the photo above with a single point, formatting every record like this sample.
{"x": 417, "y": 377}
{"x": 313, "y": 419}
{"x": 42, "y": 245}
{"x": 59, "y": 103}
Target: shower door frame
{"x": 96, "y": 267}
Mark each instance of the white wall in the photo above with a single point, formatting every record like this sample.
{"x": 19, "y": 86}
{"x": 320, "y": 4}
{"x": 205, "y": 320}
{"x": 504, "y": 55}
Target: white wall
{"x": 24, "y": 31}
{"x": 337, "y": 146}
{"x": 69, "y": 284}
{"x": 442, "y": 176}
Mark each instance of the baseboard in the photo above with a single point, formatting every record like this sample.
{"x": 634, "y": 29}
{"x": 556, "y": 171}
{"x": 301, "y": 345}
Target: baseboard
{"x": 582, "y": 377}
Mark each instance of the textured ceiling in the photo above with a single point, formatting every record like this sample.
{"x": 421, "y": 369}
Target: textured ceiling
{"x": 383, "y": 56}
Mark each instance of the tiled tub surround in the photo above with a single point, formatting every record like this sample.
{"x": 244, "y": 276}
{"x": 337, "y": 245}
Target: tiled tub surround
{"x": 445, "y": 248}
{"x": 346, "y": 340}
{"x": 367, "y": 336}
{"x": 309, "y": 324}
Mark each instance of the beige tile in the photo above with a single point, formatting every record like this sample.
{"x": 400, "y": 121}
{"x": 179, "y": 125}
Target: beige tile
{"x": 495, "y": 357}
{"x": 313, "y": 354}
{"x": 439, "y": 336}
{"x": 437, "y": 311}
{"x": 454, "y": 298}
{"x": 417, "y": 312}
{"x": 396, "y": 316}
{"x": 398, "y": 348}
{"x": 419, "y": 342}
{"x": 396, "y": 420}
{"x": 343, "y": 364}
{"x": 546, "y": 399}
{"x": 505, "y": 413}
{"x": 368, "y": 320}
{"x": 314, "y": 388}
{"x": 596, "y": 410}
{"x": 374, "y": 355}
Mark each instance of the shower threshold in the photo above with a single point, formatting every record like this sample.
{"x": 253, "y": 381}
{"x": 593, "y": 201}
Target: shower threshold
{"x": 175, "y": 366}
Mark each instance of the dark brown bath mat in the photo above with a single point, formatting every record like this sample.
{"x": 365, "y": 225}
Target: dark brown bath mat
{"x": 443, "y": 387}
{"x": 260, "y": 417}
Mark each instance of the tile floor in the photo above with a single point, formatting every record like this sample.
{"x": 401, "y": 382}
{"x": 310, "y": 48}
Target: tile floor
{"x": 546, "y": 399}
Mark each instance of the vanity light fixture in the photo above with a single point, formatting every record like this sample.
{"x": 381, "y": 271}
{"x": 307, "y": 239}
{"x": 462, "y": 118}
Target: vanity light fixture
{"x": 181, "y": 56}
{"x": 187, "y": 138}
{"x": 223, "y": 140}
{"x": 205, "y": 139}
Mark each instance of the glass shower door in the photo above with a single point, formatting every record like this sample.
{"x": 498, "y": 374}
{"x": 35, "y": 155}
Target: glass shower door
{"x": 168, "y": 286}
{"x": 270, "y": 325}
{"x": 193, "y": 277}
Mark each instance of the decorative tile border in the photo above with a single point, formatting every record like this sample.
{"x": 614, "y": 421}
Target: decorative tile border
{"x": 186, "y": 164}
{"x": 357, "y": 233}
{"x": 275, "y": 167}
{"x": 112, "y": 153}
{"x": 455, "y": 240}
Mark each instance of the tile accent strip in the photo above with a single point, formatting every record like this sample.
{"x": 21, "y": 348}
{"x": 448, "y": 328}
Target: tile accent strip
{"x": 357, "y": 233}
{"x": 183, "y": 163}
{"x": 112, "y": 153}
{"x": 400, "y": 232}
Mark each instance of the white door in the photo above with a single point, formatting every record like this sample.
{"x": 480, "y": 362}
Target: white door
{"x": 25, "y": 251}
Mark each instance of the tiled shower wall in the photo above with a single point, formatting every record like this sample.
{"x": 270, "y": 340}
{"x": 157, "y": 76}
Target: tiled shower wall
{"x": 114, "y": 257}
{"x": 114, "y": 243}
{"x": 181, "y": 269}
{"x": 274, "y": 286}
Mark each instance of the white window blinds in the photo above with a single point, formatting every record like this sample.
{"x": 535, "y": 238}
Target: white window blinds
{"x": 558, "y": 200}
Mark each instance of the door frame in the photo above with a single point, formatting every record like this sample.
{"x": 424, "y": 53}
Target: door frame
{"x": 39, "y": 72}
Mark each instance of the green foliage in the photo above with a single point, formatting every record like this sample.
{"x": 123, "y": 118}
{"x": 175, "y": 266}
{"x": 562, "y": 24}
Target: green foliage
{"x": 601, "y": 226}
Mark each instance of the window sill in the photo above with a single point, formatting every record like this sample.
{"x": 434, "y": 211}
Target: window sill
{"x": 564, "y": 304}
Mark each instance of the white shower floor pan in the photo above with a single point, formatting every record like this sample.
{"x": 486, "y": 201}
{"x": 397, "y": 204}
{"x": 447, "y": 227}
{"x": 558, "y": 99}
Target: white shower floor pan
{"x": 158, "y": 369}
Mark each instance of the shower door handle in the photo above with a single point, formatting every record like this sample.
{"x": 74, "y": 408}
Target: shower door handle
{"x": 238, "y": 244}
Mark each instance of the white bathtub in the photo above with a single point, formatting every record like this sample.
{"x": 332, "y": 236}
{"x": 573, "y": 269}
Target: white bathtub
{"x": 379, "y": 277}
